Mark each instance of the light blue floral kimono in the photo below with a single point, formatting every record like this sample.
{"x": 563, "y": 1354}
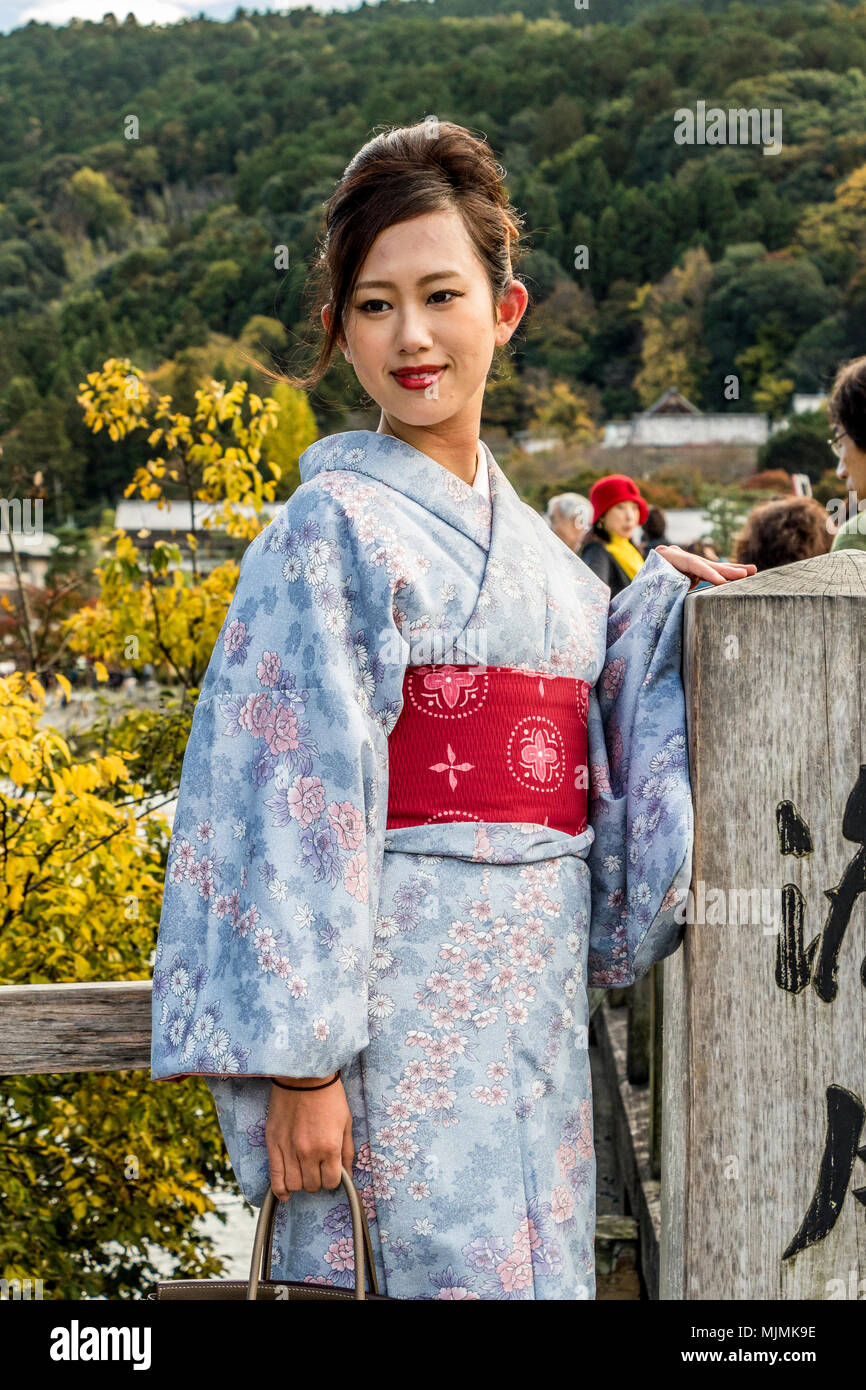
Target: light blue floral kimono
{"x": 444, "y": 967}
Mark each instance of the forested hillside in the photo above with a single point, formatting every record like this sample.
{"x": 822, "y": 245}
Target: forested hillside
{"x": 147, "y": 176}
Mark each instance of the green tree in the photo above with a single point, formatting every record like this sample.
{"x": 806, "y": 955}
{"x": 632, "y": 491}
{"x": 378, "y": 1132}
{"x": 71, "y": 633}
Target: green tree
{"x": 725, "y": 513}
{"x": 801, "y": 448}
{"x": 100, "y": 207}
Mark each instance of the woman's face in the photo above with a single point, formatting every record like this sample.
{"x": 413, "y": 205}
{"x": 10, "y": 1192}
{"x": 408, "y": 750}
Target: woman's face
{"x": 852, "y": 463}
{"x": 621, "y": 519}
{"x": 423, "y": 300}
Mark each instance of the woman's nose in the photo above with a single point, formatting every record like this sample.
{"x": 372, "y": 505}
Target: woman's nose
{"x": 412, "y": 332}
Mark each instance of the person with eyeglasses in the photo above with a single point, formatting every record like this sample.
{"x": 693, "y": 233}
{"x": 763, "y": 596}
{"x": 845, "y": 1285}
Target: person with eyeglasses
{"x": 847, "y": 411}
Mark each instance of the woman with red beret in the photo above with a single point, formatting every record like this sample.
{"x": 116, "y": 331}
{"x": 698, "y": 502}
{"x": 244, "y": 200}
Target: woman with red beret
{"x": 617, "y": 509}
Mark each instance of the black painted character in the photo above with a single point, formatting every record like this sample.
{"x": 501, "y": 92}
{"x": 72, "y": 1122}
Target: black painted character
{"x": 795, "y": 962}
{"x": 845, "y": 1115}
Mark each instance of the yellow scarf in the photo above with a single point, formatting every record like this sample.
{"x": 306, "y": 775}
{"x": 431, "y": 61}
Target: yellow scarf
{"x": 625, "y": 554}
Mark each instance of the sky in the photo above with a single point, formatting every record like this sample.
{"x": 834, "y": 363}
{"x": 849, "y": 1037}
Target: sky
{"x": 13, "y": 14}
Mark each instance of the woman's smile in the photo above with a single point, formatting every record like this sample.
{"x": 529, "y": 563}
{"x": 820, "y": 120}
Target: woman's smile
{"x": 418, "y": 378}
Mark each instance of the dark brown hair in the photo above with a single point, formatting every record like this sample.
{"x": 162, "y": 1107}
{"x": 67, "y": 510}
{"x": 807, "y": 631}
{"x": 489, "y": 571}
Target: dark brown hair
{"x": 847, "y": 402}
{"x": 655, "y": 524}
{"x": 782, "y": 531}
{"x": 700, "y": 548}
{"x": 405, "y": 172}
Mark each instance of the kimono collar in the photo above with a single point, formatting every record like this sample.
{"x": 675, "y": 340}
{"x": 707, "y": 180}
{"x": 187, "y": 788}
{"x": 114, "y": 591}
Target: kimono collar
{"x": 412, "y": 473}
{"x": 525, "y": 560}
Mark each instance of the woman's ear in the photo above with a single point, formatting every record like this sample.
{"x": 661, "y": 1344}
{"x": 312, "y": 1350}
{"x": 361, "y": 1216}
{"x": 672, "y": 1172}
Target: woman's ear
{"x": 340, "y": 338}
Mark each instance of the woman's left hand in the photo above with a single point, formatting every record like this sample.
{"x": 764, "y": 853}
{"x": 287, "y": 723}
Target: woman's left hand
{"x": 716, "y": 571}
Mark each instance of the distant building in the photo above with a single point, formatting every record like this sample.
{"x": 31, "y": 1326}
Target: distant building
{"x": 673, "y": 421}
{"x": 535, "y": 444}
{"x": 33, "y": 553}
{"x": 802, "y": 403}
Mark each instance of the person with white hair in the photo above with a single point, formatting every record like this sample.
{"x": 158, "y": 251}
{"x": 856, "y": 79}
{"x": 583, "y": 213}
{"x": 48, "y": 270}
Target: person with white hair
{"x": 569, "y": 515}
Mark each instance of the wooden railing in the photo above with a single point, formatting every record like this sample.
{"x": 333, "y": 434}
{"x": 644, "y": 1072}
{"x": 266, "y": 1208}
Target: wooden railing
{"x": 644, "y": 1002}
{"x": 106, "y": 1026}
{"x": 48, "y": 1029}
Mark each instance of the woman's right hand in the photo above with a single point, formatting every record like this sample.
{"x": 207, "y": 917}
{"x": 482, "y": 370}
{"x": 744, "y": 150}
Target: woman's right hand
{"x": 309, "y": 1137}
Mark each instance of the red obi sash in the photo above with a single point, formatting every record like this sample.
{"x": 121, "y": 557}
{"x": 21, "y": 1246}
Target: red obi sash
{"x": 489, "y": 743}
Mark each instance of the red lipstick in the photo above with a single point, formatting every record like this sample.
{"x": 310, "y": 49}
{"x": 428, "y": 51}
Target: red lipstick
{"x": 418, "y": 378}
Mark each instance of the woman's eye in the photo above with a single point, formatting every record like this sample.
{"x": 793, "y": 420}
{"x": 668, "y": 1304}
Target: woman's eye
{"x": 370, "y": 305}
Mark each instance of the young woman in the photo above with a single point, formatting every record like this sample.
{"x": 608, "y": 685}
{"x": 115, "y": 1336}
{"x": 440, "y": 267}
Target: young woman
{"x": 435, "y": 787}
{"x": 618, "y": 509}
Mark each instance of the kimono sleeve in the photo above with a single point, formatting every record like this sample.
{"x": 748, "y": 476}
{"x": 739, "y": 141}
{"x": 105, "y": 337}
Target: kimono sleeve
{"x": 640, "y": 804}
{"x": 274, "y": 868}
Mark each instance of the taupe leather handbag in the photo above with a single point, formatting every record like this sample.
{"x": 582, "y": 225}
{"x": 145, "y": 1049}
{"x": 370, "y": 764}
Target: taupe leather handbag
{"x": 261, "y": 1285}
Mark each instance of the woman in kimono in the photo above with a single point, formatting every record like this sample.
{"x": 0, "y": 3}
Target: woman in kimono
{"x": 436, "y": 787}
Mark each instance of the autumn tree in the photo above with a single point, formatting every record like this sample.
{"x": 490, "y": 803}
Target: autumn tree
{"x": 151, "y": 609}
{"x": 94, "y": 1167}
{"x": 97, "y": 1169}
{"x": 565, "y": 412}
{"x": 673, "y": 350}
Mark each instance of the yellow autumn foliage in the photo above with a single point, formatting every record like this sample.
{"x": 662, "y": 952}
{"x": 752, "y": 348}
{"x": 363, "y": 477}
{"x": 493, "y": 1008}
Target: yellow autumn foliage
{"x": 98, "y": 1168}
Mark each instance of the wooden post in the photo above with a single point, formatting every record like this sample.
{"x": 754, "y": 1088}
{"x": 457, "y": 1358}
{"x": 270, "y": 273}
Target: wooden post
{"x": 656, "y": 1031}
{"x": 638, "y": 1050}
{"x": 764, "y": 1140}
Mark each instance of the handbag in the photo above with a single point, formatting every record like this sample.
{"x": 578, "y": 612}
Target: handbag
{"x": 260, "y": 1285}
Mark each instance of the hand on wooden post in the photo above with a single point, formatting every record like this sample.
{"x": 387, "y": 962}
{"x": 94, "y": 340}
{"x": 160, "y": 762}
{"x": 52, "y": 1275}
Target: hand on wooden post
{"x": 716, "y": 571}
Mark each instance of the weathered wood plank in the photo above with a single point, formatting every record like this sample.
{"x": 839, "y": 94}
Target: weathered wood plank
{"x": 631, "y": 1112}
{"x": 656, "y": 1027}
{"x": 610, "y": 1227}
{"x": 637, "y": 1052}
{"x": 753, "y": 1052}
{"x": 76, "y": 1027}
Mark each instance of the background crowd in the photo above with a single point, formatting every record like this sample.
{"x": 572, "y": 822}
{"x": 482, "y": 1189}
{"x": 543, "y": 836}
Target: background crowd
{"x": 603, "y": 527}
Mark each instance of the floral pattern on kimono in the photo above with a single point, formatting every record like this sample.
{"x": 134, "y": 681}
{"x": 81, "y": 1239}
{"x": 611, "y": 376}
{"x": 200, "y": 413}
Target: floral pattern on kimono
{"x": 443, "y": 966}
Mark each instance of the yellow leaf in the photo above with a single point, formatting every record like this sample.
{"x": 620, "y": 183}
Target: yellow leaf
{"x": 101, "y": 672}
{"x": 64, "y": 684}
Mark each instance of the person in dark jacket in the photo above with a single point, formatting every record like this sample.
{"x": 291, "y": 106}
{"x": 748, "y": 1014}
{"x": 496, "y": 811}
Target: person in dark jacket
{"x": 617, "y": 509}
{"x": 654, "y": 530}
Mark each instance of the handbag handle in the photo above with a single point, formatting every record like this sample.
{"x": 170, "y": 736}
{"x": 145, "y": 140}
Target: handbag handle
{"x": 260, "y": 1265}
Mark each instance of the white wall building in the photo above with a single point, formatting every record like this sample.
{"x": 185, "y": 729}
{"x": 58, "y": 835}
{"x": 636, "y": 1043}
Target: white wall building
{"x": 33, "y": 553}
{"x": 673, "y": 422}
